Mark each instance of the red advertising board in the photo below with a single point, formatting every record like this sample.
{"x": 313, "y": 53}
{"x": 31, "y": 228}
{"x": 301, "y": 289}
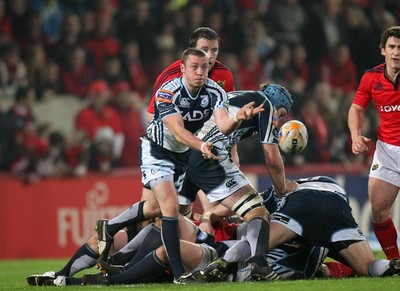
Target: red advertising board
{"x": 53, "y": 218}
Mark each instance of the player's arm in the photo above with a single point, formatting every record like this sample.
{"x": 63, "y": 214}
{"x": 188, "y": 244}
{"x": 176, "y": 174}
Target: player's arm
{"x": 174, "y": 123}
{"x": 274, "y": 164}
{"x": 355, "y": 122}
{"x": 227, "y": 125}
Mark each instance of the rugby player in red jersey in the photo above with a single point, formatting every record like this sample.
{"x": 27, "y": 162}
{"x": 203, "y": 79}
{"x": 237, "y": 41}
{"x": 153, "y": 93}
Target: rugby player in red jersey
{"x": 381, "y": 84}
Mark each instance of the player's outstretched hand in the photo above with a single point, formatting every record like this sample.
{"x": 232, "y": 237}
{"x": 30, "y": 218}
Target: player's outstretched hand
{"x": 248, "y": 111}
{"x": 206, "y": 148}
{"x": 360, "y": 144}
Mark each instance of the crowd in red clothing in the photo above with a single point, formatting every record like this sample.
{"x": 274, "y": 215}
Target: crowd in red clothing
{"x": 316, "y": 49}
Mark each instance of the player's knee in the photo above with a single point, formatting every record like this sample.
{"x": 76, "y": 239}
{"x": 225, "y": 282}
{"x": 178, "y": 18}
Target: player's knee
{"x": 162, "y": 254}
{"x": 250, "y": 206}
{"x": 93, "y": 243}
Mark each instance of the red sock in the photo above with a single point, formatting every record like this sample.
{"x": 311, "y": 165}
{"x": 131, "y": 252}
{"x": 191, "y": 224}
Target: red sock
{"x": 387, "y": 236}
{"x": 338, "y": 270}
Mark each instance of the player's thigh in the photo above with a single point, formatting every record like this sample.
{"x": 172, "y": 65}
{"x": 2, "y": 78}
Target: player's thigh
{"x": 382, "y": 195}
{"x": 167, "y": 198}
{"x": 279, "y": 234}
{"x": 358, "y": 256}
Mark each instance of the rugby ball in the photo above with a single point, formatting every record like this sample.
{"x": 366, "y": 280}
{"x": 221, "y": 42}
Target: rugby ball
{"x": 293, "y": 137}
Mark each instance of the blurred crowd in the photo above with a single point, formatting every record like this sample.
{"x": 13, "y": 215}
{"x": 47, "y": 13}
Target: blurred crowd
{"x": 108, "y": 54}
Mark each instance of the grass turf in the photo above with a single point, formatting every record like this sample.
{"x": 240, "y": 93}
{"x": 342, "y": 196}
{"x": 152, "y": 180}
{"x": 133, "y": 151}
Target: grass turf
{"x": 14, "y": 272}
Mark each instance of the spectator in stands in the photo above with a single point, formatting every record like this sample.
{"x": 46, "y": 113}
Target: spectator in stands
{"x": 5, "y": 22}
{"x": 133, "y": 68}
{"x": 288, "y": 18}
{"x": 129, "y": 106}
{"x": 70, "y": 38}
{"x": 112, "y": 71}
{"x": 250, "y": 69}
{"x": 279, "y": 67}
{"x": 337, "y": 68}
{"x": 38, "y": 72}
{"x": 51, "y": 16}
{"x": 102, "y": 125}
{"x": 7, "y": 136}
{"x": 264, "y": 43}
{"x": 102, "y": 43}
{"x": 76, "y": 75}
{"x": 13, "y": 70}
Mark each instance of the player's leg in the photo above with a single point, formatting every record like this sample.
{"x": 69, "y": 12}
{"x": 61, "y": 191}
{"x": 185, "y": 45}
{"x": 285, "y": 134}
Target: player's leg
{"x": 382, "y": 196}
{"x": 360, "y": 258}
{"x": 248, "y": 204}
{"x": 167, "y": 197}
{"x": 138, "y": 212}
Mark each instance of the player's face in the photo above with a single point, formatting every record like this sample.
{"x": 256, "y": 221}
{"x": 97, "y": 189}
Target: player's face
{"x": 195, "y": 72}
{"x": 391, "y": 51}
{"x": 211, "y": 47}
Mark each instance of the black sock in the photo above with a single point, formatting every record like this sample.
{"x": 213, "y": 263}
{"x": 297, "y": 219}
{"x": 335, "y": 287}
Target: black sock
{"x": 149, "y": 267}
{"x": 83, "y": 258}
{"x": 122, "y": 258}
{"x": 150, "y": 243}
{"x": 133, "y": 214}
{"x": 170, "y": 239}
{"x": 258, "y": 237}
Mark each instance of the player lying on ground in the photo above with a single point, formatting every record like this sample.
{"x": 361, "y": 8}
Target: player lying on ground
{"x": 318, "y": 214}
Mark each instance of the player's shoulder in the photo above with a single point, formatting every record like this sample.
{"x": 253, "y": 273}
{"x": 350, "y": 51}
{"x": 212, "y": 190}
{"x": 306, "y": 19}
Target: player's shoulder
{"x": 213, "y": 85}
{"x": 172, "y": 85}
{"x": 220, "y": 66}
{"x": 380, "y": 69}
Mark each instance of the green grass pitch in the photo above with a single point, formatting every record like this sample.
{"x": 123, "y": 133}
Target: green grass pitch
{"x": 13, "y": 273}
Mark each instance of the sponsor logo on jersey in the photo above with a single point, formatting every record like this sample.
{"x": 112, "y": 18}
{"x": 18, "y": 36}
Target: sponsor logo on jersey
{"x": 375, "y": 167}
{"x": 204, "y": 101}
{"x": 164, "y": 96}
{"x": 196, "y": 115}
{"x": 230, "y": 183}
{"x": 280, "y": 218}
{"x": 389, "y": 108}
{"x": 221, "y": 83}
{"x": 184, "y": 102}
{"x": 379, "y": 86}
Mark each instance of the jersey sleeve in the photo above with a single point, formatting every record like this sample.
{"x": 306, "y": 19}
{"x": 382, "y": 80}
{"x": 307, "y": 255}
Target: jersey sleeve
{"x": 171, "y": 72}
{"x": 164, "y": 102}
{"x": 363, "y": 93}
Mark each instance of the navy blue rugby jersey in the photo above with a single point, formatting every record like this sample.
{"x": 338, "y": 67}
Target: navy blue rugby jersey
{"x": 174, "y": 98}
{"x": 263, "y": 124}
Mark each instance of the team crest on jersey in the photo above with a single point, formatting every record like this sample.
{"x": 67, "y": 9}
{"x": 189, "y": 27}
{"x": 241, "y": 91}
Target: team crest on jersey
{"x": 184, "y": 102}
{"x": 221, "y": 83}
{"x": 204, "y": 102}
{"x": 164, "y": 96}
{"x": 375, "y": 167}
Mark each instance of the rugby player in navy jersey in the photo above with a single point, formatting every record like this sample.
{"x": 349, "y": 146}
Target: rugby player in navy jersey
{"x": 182, "y": 106}
{"x": 221, "y": 180}
{"x": 317, "y": 214}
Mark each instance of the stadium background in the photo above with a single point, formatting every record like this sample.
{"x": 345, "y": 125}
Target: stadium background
{"x": 53, "y": 216}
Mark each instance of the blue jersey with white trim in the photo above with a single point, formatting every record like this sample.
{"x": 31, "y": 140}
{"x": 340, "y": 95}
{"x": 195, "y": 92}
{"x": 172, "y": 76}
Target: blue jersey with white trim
{"x": 263, "y": 124}
{"x": 174, "y": 98}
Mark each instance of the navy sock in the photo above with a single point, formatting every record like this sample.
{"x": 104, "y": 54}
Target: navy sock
{"x": 149, "y": 267}
{"x": 122, "y": 258}
{"x": 83, "y": 258}
{"x": 149, "y": 244}
{"x": 170, "y": 239}
{"x": 133, "y": 214}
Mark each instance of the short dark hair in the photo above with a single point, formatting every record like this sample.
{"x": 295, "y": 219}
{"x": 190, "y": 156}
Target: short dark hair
{"x": 391, "y": 31}
{"x": 202, "y": 32}
{"x": 192, "y": 51}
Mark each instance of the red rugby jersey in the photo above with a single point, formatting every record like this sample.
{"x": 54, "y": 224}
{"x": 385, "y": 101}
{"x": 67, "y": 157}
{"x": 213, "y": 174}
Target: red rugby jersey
{"x": 219, "y": 73}
{"x": 375, "y": 85}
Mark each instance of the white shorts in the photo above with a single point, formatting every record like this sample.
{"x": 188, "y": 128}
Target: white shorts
{"x": 157, "y": 162}
{"x": 386, "y": 163}
{"x": 209, "y": 256}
